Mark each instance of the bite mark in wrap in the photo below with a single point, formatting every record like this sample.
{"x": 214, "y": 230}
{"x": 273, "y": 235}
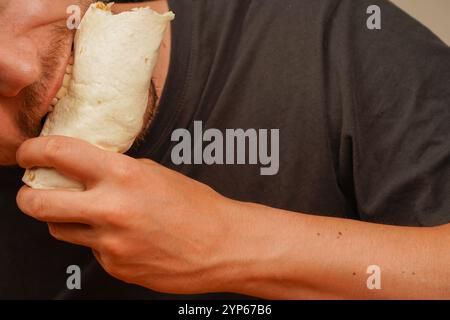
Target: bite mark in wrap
{"x": 108, "y": 93}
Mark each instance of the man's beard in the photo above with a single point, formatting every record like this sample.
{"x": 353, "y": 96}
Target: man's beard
{"x": 35, "y": 95}
{"x": 29, "y": 115}
{"x": 150, "y": 113}
{"x": 28, "y": 118}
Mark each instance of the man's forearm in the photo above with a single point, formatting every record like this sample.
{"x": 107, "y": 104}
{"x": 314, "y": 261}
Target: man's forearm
{"x": 177, "y": 235}
{"x": 281, "y": 254}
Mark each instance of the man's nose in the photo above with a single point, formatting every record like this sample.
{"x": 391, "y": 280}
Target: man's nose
{"x": 19, "y": 67}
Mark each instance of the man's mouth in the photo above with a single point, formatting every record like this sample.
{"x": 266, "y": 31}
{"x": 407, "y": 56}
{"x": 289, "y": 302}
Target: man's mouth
{"x": 60, "y": 89}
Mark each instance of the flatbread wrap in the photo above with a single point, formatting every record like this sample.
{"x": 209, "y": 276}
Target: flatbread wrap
{"x": 105, "y": 100}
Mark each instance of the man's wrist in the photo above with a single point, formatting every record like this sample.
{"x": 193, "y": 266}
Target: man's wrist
{"x": 244, "y": 250}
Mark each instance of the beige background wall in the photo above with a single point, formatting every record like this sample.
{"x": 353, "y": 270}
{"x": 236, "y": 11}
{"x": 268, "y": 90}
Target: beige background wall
{"x": 435, "y": 14}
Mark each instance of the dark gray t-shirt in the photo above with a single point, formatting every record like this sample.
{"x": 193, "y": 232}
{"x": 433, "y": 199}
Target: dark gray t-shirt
{"x": 363, "y": 118}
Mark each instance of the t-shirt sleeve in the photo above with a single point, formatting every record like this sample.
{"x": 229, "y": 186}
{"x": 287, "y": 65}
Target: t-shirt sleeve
{"x": 395, "y": 84}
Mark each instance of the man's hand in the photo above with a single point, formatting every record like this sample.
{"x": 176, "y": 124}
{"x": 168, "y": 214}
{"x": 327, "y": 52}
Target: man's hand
{"x": 146, "y": 224}
{"x": 157, "y": 228}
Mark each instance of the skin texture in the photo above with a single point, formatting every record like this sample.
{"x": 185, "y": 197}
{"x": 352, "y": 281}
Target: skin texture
{"x": 35, "y": 50}
{"x": 177, "y": 235}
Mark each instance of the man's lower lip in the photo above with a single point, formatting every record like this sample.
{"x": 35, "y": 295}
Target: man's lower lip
{"x": 52, "y": 102}
{"x": 59, "y": 82}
